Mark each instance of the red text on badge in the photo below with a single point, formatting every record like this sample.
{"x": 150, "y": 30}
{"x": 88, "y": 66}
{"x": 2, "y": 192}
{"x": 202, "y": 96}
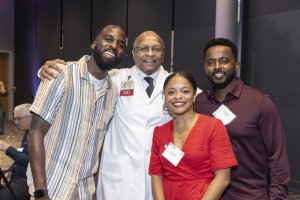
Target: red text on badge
{"x": 126, "y": 92}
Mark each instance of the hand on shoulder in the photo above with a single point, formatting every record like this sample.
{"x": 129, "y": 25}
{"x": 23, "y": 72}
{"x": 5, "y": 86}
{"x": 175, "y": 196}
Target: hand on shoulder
{"x": 51, "y": 69}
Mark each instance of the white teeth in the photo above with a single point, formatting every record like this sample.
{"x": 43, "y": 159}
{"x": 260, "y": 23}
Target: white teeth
{"x": 218, "y": 75}
{"x": 178, "y": 104}
{"x": 110, "y": 53}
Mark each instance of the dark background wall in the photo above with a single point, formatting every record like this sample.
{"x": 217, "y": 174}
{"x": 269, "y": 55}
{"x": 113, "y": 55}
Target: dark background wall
{"x": 25, "y": 50}
{"x": 6, "y": 25}
{"x": 51, "y": 29}
{"x": 272, "y": 64}
{"x": 194, "y": 26}
{"x": 63, "y": 29}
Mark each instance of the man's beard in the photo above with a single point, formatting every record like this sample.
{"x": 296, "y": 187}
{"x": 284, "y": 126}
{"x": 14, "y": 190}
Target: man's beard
{"x": 103, "y": 63}
{"x": 222, "y": 85}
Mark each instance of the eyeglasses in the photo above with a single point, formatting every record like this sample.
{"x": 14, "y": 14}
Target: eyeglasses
{"x": 145, "y": 49}
{"x": 20, "y": 118}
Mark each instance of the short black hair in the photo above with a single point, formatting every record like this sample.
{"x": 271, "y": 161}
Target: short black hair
{"x": 99, "y": 30}
{"x": 222, "y": 42}
{"x": 185, "y": 75}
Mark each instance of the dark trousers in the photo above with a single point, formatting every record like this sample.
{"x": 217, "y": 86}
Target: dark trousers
{"x": 19, "y": 186}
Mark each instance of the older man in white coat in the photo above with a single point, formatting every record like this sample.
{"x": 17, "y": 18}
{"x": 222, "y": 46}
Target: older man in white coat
{"x": 126, "y": 151}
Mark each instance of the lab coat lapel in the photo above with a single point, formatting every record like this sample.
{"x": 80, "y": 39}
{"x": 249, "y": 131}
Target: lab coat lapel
{"x": 158, "y": 89}
{"x": 139, "y": 85}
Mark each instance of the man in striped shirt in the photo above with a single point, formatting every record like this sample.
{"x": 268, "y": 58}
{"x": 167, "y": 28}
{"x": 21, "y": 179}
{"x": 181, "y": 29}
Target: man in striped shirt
{"x": 70, "y": 117}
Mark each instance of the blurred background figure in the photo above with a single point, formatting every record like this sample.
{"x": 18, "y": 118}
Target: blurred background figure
{"x": 16, "y": 174}
{"x": 2, "y": 92}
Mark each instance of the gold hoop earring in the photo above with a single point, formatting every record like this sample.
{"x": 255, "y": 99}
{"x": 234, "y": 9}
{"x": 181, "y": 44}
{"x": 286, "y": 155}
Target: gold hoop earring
{"x": 167, "y": 110}
{"x": 165, "y": 107}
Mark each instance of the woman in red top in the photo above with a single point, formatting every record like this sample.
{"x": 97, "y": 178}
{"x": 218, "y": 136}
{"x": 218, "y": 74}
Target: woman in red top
{"x": 191, "y": 155}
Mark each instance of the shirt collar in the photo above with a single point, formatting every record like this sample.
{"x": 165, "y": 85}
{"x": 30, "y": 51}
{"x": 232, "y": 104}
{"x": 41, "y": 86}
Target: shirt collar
{"x": 142, "y": 75}
{"x": 237, "y": 88}
{"x": 233, "y": 94}
{"x": 84, "y": 73}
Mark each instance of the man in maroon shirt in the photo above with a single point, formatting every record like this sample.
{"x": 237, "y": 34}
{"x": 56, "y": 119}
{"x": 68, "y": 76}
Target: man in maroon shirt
{"x": 253, "y": 124}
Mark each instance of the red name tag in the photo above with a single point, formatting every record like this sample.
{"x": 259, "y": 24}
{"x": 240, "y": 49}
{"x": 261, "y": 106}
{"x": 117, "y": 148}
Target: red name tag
{"x": 126, "y": 92}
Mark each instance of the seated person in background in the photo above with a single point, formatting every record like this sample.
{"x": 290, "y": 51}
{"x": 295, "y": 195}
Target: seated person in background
{"x": 16, "y": 174}
{"x": 191, "y": 155}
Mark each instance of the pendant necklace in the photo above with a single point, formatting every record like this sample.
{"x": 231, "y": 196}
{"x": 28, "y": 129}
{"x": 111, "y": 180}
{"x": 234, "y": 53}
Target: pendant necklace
{"x": 180, "y": 135}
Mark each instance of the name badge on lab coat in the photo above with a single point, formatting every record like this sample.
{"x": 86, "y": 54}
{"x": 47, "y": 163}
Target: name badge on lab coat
{"x": 173, "y": 154}
{"x": 127, "y": 88}
{"x": 224, "y": 114}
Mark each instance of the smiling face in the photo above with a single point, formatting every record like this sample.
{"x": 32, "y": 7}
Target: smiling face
{"x": 220, "y": 66}
{"x": 148, "y": 52}
{"x": 179, "y": 95}
{"x": 109, "y": 47}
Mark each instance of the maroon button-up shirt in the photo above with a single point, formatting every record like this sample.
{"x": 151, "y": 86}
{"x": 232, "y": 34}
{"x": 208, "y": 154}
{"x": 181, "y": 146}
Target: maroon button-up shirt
{"x": 258, "y": 140}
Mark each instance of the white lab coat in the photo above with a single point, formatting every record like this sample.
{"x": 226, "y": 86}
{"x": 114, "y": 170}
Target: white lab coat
{"x": 126, "y": 151}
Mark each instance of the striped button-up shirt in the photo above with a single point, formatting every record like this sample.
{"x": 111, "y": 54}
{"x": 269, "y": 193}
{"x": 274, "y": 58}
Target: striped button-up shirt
{"x": 78, "y": 118}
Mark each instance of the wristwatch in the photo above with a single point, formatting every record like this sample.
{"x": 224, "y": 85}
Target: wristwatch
{"x": 40, "y": 193}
